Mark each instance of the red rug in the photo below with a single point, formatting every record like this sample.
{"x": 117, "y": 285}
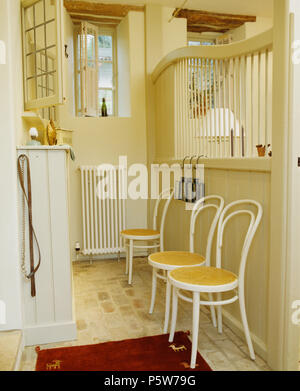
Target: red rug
{"x": 143, "y": 354}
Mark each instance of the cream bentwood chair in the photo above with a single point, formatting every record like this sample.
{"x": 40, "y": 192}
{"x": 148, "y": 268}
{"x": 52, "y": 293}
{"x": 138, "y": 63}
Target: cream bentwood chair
{"x": 216, "y": 280}
{"x": 170, "y": 260}
{"x": 154, "y": 235}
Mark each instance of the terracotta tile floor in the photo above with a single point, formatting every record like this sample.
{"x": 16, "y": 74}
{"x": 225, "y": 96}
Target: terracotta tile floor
{"x": 108, "y": 309}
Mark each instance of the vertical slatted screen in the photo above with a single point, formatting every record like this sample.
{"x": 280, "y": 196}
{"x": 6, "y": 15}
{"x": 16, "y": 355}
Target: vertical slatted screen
{"x": 103, "y": 209}
{"x": 223, "y": 107}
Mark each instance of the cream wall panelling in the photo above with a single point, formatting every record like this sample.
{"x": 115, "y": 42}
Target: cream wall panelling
{"x": 49, "y": 316}
{"x": 232, "y": 185}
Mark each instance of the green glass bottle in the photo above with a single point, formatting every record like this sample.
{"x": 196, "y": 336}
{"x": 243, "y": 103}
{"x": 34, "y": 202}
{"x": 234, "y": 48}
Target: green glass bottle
{"x": 104, "y": 108}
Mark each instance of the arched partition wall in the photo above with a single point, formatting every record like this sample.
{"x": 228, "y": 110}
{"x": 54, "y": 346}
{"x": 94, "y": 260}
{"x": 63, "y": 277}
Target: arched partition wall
{"x": 216, "y": 102}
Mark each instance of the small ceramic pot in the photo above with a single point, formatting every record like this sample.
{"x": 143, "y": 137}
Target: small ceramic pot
{"x": 261, "y": 150}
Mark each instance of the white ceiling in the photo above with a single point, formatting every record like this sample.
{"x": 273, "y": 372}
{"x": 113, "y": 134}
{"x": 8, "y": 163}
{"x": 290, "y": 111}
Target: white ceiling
{"x": 247, "y": 7}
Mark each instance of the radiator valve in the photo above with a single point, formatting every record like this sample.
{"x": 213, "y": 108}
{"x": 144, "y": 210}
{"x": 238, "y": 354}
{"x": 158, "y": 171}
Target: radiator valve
{"x": 77, "y": 247}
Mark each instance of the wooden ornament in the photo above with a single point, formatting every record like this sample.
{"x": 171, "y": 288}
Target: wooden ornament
{"x": 51, "y": 133}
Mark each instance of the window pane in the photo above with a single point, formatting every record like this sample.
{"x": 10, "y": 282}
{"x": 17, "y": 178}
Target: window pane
{"x": 29, "y": 42}
{"x": 28, "y": 18}
{"x": 30, "y": 65}
{"x": 50, "y": 9}
{"x": 105, "y": 47}
{"x": 41, "y": 65}
{"x": 41, "y": 87}
{"x": 79, "y": 37}
{"x": 40, "y": 37}
{"x": 31, "y": 89}
{"x": 105, "y": 75}
{"x": 108, "y": 95}
{"x": 79, "y": 94}
{"x": 194, "y": 43}
{"x": 90, "y": 49}
{"x": 51, "y": 83}
{"x": 207, "y": 43}
{"x": 201, "y": 43}
{"x": 50, "y": 62}
{"x": 51, "y": 34}
{"x": 39, "y": 13}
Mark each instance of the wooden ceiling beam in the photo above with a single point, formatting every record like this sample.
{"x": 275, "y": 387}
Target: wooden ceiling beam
{"x": 98, "y": 19}
{"x": 85, "y": 7}
{"x": 214, "y": 20}
{"x": 205, "y": 29}
{"x": 226, "y": 28}
{"x": 78, "y": 23}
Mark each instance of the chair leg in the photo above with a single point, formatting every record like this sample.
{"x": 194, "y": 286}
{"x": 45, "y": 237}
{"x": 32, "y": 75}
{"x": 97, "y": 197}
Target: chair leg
{"x": 153, "y": 294}
{"x": 127, "y": 256}
{"x": 219, "y": 310}
{"x": 245, "y": 324}
{"x": 167, "y": 309}
{"x": 161, "y": 246}
{"x": 212, "y": 311}
{"x": 174, "y": 314}
{"x": 130, "y": 261}
{"x": 196, "y": 313}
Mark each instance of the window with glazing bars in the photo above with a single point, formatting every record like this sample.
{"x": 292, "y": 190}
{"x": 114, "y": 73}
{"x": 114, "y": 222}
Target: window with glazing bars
{"x": 96, "y": 70}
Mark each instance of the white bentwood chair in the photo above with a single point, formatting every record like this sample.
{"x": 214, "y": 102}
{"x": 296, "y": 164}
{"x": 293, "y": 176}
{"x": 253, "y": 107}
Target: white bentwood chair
{"x": 154, "y": 235}
{"x": 170, "y": 260}
{"x": 216, "y": 280}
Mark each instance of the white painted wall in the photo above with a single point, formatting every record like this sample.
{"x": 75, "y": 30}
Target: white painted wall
{"x": 103, "y": 140}
{"x": 11, "y": 129}
{"x": 124, "y": 100}
{"x": 293, "y": 331}
{"x": 162, "y": 37}
{"x": 250, "y": 29}
{"x": 174, "y": 31}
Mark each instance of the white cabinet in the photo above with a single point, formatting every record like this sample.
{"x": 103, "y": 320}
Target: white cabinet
{"x": 49, "y": 317}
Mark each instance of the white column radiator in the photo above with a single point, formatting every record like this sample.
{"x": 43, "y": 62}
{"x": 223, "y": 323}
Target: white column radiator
{"x": 103, "y": 209}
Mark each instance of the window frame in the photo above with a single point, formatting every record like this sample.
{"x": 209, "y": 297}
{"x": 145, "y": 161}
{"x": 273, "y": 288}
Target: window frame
{"x": 202, "y": 38}
{"x": 101, "y": 30}
{"x": 58, "y": 97}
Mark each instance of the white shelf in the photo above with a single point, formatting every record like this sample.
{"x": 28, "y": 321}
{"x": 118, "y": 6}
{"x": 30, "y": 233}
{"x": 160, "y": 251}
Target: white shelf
{"x": 43, "y": 147}
{"x": 34, "y": 120}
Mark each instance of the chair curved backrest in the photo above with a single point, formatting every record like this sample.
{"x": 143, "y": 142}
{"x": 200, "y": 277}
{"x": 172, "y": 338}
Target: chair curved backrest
{"x": 198, "y": 208}
{"x": 253, "y": 225}
{"x": 169, "y": 194}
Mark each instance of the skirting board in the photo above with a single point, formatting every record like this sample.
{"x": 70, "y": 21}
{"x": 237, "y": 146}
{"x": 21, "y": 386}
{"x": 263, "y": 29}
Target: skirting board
{"x": 19, "y": 354}
{"x": 137, "y": 253}
{"x": 50, "y": 333}
{"x": 236, "y": 326}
